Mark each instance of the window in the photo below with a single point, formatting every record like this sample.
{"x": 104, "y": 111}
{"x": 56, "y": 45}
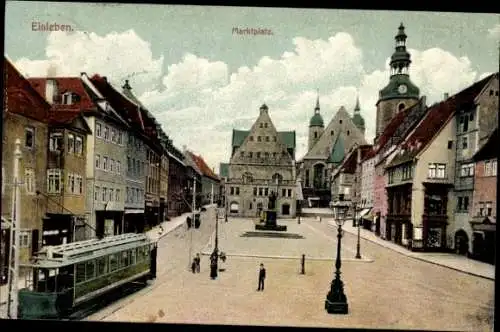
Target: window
{"x": 111, "y": 194}
{"x": 242, "y": 153}
{"x": 255, "y": 191}
{"x": 105, "y": 163}
{"x": 54, "y": 181}
{"x": 129, "y": 164}
{"x": 250, "y": 154}
{"x": 232, "y": 190}
{"x": 102, "y": 266}
{"x": 487, "y": 168}
{"x": 79, "y": 145}
{"x": 266, "y": 191}
{"x": 265, "y": 125}
{"x": 481, "y": 210}
{"x": 467, "y": 170}
{"x": 259, "y": 138}
{"x": 114, "y": 137}
{"x": 348, "y": 132}
{"x": 494, "y": 168}
{"x": 488, "y": 209}
{"x": 289, "y": 192}
{"x": 112, "y": 165}
{"x": 79, "y": 184}
{"x": 258, "y": 154}
{"x": 71, "y": 143}
{"x": 56, "y": 141}
{"x": 432, "y": 171}
{"x": 391, "y": 176}
{"x": 106, "y": 133}
{"x": 98, "y": 130}
{"x": 450, "y": 145}
{"x": 29, "y": 137}
{"x": 113, "y": 262}
{"x": 29, "y": 180}
{"x": 97, "y": 161}
{"x": 465, "y": 142}
{"x": 71, "y": 183}
{"x": 117, "y": 196}
{"x": 67, "y": 98}
{"x": 463, "y": 203}
{"x": 90, "y": 270}
{"x": 464, "y": 121}
{"x": 96, "y": 193}
{"x": 315, "y": 134}
{"x": 441, "y": 170}
{"x": 267, "y": 138}
{"x": 251, "y": 138}
{"x": 104, "y": 194}
{"x": 118, "y": 167}
{"x": 24, "y": 239}
{"x": 331, "y": 133}
{"x": 340, "y": 121}
{"x": 120, "y": 137}
{"x": 283, "y": 192}
{"x": 266, "y": 154}
{"x": 237, "y": 191}
{"x": 261, "y": 125}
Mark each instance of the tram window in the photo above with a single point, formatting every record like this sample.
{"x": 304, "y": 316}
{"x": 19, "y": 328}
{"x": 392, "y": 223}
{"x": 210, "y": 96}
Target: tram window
{"x": 139, "y": 254}
{"x": 113, "y": 262}
{"x": 80, "y": 272}
{"x": 146, "y": 252}
{"x": 125, "y": 258}
{"x": 133, "y": 255}
{"x": 51, "y": 281}
{"x": 102, "y": 266}
{"x": 90, "y": 270}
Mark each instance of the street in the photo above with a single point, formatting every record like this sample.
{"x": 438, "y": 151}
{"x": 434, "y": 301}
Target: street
{"x": 387, "y": 290}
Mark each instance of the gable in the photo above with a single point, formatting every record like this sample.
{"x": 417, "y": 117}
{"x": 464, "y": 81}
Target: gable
{"x": 341, "y": 124}
{"x": 287, "y": 137}
{"x": 262, "y": 139}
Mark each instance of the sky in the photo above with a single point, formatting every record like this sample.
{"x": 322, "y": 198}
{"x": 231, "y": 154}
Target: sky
{"x": 201, "y": 80}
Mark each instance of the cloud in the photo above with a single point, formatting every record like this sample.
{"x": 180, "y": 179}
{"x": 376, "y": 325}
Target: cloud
{"x": 118, "y": 56}
{"x": 198, "y": 101}
{"x": 494, "y": 32}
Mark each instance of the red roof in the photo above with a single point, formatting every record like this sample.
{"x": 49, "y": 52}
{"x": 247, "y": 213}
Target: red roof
{"x": 204, "y": 168}
{"x": 128, "y": 110}
{"x": 435, "y": 120}
{"x": 20, "y": 97}
{"x": 62, "y": 117}
{"x": 391, "y": 128}
{"x": 64, "y": 84}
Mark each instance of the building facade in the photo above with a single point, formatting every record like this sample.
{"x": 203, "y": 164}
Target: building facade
{"x": 475, "y": 121}
{"x": 177, "y": 181}
{"x": 484, "y": 200}
{"x": 262, "y": 161}
{"x": 326, "y": 149}
{"x": 25, "y": 116}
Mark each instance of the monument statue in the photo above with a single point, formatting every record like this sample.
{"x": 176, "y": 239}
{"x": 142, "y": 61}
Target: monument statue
{"x": 272, "y": 201}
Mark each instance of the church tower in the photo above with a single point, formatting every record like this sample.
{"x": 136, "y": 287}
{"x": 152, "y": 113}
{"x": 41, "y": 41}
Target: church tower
{"x": 400, "y": 93}
{"x": 357, "y": 119}
{"x": 316, "y": 126}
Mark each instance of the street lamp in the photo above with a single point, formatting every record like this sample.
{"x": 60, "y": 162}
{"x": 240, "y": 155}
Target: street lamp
{"x": 358, "y": 253}
{"x": 214, "y": 257}
{"x": 336, "y": 300}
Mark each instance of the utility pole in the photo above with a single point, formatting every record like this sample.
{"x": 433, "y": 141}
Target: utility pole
{"x": 15, "y": 237}
{"x": 193, "y": 208}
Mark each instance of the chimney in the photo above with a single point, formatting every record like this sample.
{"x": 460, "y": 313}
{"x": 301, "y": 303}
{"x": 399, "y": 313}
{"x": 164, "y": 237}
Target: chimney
{"x": 446, "y": 95}
{"x": 50, "y": 90}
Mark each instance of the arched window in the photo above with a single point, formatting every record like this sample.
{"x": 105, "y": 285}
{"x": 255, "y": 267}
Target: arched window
{"x": 401, "y": 106}
{"x": 277, "y": 178}
{"x": 315, "y": 134}
{"x": 331, "y": 133}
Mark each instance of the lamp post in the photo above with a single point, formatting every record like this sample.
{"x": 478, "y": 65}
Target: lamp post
{"x": 336, "y": 300}
{"x": 214, "y": 257}
{"x": 358, "y": 253}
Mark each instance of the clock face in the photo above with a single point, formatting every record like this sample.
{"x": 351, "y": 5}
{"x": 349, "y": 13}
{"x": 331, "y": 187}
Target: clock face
{"x": 402, "y": 88}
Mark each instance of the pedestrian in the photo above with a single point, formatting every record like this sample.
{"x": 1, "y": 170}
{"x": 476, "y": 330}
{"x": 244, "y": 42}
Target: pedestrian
{"x": 197, "y": 259}
{"x": 213, "y": 267}
{"x": 193, "y": 265}
{"x": 262, "y": 276}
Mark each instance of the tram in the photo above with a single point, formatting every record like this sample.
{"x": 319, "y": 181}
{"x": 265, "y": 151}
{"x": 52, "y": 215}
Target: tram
{"x": 67, "y": 276}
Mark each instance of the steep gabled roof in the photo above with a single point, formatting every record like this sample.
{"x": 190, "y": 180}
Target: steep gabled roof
{"x": 20, "y": 97}
{"x": 434, "y": 121}
{"x": 65, "y": 84}
{"x": 67, "y": 118}
{"x": 205, "y": 169}
{"x": 224, "y": 170}
{"x": 489, "y": 149}
{"x": 122, "y": 105}
{"x": 190, "y": 160}
{"x": 391, "y": 128}
{"x": 337, "y": 153}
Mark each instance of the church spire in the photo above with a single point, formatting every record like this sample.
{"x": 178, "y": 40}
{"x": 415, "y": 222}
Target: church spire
{"x": 357, "y": 108}
{"x": 317, "y": 108}
{"x": 400, "y": 59}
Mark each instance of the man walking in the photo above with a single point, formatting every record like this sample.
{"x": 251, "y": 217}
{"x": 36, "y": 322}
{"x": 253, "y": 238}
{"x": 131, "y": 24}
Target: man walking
{"x": 198, "y": 262}
{"x": 262, "y": 276}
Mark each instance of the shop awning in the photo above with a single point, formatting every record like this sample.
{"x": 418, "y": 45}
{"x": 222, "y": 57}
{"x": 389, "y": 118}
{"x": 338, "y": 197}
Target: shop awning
{"x": 364, "y": 213}
{"x": 488, "y": 224}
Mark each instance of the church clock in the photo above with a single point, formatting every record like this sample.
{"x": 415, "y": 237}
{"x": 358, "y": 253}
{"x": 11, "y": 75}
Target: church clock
{"x": 402, "y": 89}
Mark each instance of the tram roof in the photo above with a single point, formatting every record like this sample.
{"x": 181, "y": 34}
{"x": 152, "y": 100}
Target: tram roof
{"x": 76, "y": 252}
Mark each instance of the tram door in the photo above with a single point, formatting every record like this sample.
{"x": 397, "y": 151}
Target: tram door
{"x": 153, "y": 261}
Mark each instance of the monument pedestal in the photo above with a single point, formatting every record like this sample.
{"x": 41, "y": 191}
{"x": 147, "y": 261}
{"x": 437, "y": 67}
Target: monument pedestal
{"x": 268, "y": 222}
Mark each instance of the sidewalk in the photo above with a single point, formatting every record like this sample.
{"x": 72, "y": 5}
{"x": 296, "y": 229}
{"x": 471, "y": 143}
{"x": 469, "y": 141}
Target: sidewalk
{"x": 452, "y": 261}
{"x": 166, "y": 227}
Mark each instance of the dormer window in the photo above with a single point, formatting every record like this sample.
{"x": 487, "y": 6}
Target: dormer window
{"x": 56, "y": 141}
{"x": 67, "y": 98}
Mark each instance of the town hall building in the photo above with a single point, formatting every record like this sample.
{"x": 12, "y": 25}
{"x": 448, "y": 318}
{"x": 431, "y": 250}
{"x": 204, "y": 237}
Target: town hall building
{"x": 262, "y": 161}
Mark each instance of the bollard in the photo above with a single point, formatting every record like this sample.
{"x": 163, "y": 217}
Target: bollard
{"x": 303, "y": 270}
